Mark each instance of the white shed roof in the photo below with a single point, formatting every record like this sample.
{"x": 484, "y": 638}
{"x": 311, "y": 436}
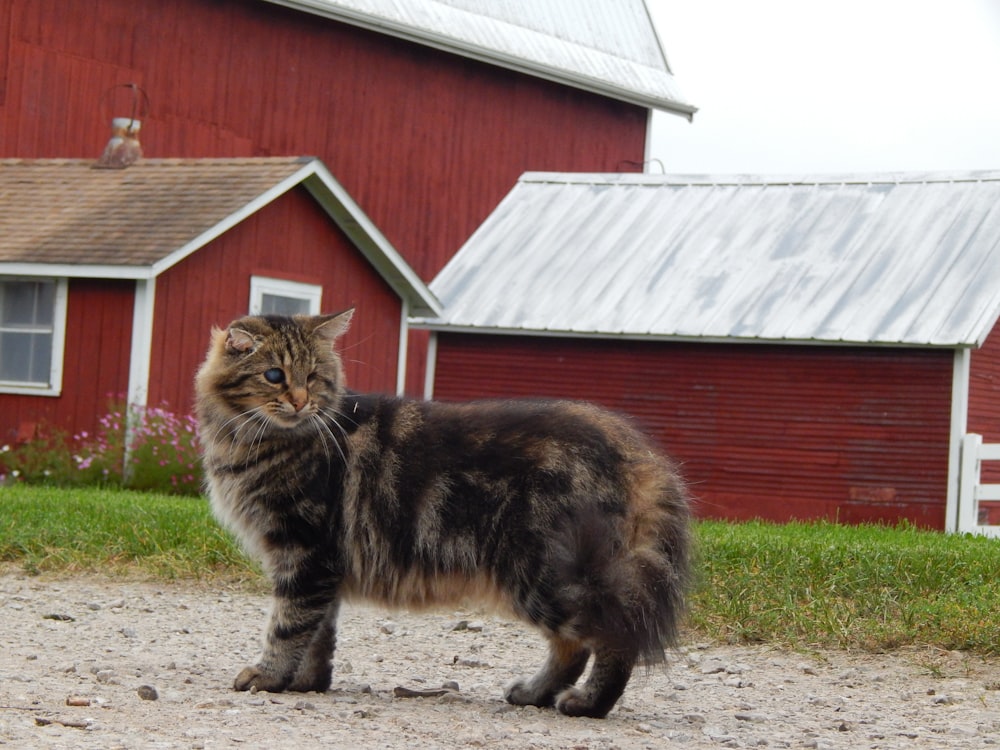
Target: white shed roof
{"x": 898, "y": 259}
{"x": 610, "y": 48}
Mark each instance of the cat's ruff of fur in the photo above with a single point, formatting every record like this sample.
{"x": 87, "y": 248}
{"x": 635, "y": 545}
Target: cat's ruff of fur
{"x": 558, "y": 512}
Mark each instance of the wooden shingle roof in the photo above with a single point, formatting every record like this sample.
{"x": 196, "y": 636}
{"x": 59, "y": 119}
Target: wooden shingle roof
{"x": 67, "y": 212}
{"x": 62, "y": 217}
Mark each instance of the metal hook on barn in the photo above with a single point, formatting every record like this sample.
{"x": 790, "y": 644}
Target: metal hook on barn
{"x": 124, "y": 148}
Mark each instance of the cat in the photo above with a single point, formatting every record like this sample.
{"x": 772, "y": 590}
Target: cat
{"x": 557, "y": 512}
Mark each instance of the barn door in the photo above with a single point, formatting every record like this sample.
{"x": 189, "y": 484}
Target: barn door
{"x": 978, "y": 503}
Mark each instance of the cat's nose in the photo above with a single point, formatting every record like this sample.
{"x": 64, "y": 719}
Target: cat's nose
{"x": 298, "y": 398}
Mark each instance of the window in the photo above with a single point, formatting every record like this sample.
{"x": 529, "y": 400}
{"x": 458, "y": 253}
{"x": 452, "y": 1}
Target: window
{"x": 279, "y": 297}
{"x": 32, "y": 324}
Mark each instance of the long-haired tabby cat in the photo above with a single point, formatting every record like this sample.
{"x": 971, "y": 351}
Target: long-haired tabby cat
{"x": 557, "y": 512}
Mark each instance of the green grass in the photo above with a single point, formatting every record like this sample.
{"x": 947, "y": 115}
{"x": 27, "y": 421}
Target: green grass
{"x": 865, "y": 587}
{"x": 61, "y": 530}
{"x": 800, "y": 585}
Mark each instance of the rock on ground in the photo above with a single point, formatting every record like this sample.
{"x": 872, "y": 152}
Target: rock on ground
{"x": 97, "y": 663}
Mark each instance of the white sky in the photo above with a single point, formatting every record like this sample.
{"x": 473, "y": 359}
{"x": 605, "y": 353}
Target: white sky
{"x": 820, "y": 86}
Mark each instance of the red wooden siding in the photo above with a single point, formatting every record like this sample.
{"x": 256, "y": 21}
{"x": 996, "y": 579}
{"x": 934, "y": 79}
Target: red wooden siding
{"x": 96, "y": 364}
{"x": 293, "y": 239}
{"x": 777, "y": 432}
{"x": 426, "y": 142}
{"x": 984, "y": 389}
{"x": 984, "y": 405}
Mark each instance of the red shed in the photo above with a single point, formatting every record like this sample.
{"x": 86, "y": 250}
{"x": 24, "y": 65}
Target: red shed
{"x": 807, "y": 347}
{"x": 110, "y": 279}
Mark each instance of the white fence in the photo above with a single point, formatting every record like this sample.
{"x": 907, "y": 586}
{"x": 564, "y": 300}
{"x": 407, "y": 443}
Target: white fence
{"x": 971, "y": 492}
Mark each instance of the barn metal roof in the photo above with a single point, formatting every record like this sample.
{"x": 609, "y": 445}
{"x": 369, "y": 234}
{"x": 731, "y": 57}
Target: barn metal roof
{"x": 63, "y": 217}
{"x": 607, "y": 47}
{"x": 895, "y": 259}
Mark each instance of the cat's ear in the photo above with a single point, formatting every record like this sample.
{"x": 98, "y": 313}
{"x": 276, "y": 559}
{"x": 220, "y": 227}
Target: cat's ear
{"x": 332, "y": 327}
{"x": 238, "y": 340}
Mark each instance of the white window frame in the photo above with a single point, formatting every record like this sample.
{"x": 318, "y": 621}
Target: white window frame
{"x": 261, "y": 285}
{"x": 54, "y": 386}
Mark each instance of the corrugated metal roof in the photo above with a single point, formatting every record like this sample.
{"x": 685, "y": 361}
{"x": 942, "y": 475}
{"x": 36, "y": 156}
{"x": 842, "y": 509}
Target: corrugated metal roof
{"x": 64, "y": 217}
{"x": 877, "y": 259}
{"x": 608, "y": 47}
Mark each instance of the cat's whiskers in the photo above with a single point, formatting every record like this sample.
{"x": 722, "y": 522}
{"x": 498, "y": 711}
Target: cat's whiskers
{"x": 233, "y": 433}
{"x": 321, "y": 427}
{"x": 328, "y": 415}
{"x": 261, "y": 415}
{"x": 247, "y": 418}
{"x": 334, "y": 413}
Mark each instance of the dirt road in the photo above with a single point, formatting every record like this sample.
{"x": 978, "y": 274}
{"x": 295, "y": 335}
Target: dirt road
{"x": 95, "y": 663}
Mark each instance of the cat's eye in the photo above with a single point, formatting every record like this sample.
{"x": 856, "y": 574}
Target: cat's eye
{"x": 275, "y": 375}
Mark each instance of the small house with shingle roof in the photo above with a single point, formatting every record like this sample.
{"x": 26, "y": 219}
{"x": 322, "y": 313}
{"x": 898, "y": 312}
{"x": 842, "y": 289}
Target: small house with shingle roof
{"x": 111, "y": 279}
{"x": 807, "y": 347}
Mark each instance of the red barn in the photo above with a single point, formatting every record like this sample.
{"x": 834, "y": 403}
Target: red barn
{"x": 807, "y": 347}
{"x": 426, "y": 112}
{"x": 111, "y": 290}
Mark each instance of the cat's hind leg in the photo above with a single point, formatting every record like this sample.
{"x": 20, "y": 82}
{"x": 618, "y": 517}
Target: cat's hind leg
{"x": 565, "y": 663}
{"x": 604, "y": 686}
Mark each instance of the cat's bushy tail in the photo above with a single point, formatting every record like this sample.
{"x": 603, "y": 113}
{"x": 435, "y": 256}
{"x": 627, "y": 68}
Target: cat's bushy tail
{"x": 627, "y": 586}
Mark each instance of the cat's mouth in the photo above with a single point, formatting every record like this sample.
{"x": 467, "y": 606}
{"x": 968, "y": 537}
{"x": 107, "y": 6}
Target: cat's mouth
{"x": 289, "y": 417}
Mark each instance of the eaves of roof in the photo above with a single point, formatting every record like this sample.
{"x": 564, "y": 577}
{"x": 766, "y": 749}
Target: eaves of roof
{"x": 520, "y": 47}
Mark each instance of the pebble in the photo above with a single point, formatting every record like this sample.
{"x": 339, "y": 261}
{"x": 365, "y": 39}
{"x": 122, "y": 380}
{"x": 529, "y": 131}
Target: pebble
{"x": 538, "y": 727}
{"x": 712, "y": 667}
{"x": 963, "y": 730}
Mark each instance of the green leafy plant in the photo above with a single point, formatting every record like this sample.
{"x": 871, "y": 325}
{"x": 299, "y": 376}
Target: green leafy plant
{"x": 149, "y": 448}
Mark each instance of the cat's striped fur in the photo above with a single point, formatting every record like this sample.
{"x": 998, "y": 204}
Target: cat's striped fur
{"x": 557, "y": 512}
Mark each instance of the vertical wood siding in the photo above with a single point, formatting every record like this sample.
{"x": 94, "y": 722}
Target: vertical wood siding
{"x": 984, "y": 404}
{"x": 96, "y": 363}
{"x": 777, "y": 432}
{"x": 426, "y": 142}
{"x": 292, "y": 239}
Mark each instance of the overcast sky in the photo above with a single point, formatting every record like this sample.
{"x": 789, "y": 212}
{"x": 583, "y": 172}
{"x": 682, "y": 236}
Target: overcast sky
{"x": 807, "y": 86}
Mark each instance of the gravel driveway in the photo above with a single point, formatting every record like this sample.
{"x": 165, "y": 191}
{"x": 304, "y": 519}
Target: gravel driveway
{"x": 104, "y": 663}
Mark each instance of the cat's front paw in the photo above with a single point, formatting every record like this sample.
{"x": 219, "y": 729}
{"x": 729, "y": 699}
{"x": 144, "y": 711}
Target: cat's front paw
{"x": 251, "y": 678}
{"x": 312, "y": 679}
